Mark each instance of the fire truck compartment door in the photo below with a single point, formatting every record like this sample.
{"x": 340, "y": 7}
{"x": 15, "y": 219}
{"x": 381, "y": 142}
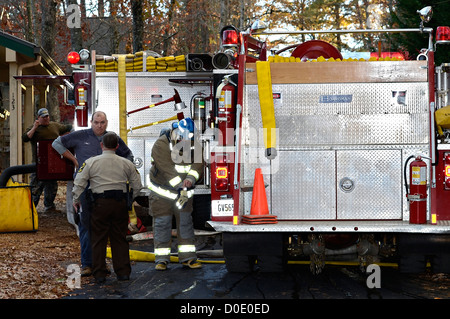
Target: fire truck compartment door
{"x": 369, "y": 184}
{"x": 337, "y": 185}
{"x": 303, "y": 185}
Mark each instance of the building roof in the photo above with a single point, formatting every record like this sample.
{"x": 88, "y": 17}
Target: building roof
{"x": 29, "y": 51}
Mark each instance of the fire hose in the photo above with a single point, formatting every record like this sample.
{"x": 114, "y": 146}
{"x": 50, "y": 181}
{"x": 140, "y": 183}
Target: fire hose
{"x": 136, "y": 255}
{"x": 267, "y": 108}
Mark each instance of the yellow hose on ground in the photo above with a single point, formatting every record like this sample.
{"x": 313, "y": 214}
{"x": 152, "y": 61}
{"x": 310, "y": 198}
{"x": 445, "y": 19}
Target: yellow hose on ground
{"x": 136, "y": 255}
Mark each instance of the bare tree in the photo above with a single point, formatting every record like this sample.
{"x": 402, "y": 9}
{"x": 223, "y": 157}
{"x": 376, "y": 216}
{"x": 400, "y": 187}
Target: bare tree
{"x": 48, "y": 36}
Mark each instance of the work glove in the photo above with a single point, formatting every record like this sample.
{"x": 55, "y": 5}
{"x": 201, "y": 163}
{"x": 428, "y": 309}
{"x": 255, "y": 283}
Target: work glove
{"x": 132, "y": 221}
{"x": 182, "y": 198}
{"x": 133, "y": 228}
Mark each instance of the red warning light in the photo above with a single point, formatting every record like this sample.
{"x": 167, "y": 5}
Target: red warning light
{"x": 73, "y": 57}
{"x": 230, "y": 37}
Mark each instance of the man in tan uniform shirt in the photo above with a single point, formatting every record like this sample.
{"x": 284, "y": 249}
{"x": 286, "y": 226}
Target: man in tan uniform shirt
{"x": 108, "y": 175}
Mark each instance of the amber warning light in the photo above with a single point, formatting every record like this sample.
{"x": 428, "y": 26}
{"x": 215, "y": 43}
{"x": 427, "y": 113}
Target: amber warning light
{"x": 447, "y": 171}
{"x": 222, "y": 179}
{"x": 222, "y": 172}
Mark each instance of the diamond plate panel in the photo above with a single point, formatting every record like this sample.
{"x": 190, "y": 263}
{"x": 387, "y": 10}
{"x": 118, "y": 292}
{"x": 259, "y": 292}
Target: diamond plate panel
{"x": 376, "y": 179}
{"x": 253, "y": 158}
{"x": 362, "y": 113}
{"x": 142, "y": 150}
{"x": 136, "y": 145}
{"x": 143, "y": 90}
{"x": 303, "y": 187}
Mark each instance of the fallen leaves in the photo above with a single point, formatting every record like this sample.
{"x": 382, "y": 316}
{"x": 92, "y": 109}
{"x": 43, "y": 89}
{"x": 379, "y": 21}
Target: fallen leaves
{"x": 33, "y": 264}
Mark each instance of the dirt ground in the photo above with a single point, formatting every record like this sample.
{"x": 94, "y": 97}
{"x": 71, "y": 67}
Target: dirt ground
{"x": 33, "y": 264}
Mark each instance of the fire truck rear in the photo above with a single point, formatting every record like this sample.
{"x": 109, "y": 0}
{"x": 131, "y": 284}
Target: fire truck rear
{"x": 354, "y": 155}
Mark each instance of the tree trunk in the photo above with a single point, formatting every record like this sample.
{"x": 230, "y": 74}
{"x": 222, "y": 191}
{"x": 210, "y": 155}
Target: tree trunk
{"x": 138, "y": 25}
{"x": 48, "y": 44}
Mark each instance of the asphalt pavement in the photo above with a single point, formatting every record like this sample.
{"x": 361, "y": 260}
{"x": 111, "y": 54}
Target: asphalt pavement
{"x": 214, "y": 282}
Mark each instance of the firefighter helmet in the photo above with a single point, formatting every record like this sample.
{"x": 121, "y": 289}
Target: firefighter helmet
{"x": 183, "y": 130}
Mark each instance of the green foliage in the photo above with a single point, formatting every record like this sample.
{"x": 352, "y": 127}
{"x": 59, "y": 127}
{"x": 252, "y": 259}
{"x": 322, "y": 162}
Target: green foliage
{"x": 406, "y": 16}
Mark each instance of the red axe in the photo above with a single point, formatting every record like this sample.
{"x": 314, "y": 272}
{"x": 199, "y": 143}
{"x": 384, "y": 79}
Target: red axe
{"x": 179, "y": 105}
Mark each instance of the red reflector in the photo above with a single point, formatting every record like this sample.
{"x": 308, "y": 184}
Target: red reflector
{"x": 73, "y": 57}
{"x": 443, "y": 35}
{"x": 221, "y": 172}
{"x": 230, "y": 37}
{"x": 447, "y": 183}
{"x": 222, "y": 184}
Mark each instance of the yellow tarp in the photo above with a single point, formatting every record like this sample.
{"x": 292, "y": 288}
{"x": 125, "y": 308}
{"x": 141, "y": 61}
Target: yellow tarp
{"x": 442, "y": 117}
{"x": 17, "y": 211}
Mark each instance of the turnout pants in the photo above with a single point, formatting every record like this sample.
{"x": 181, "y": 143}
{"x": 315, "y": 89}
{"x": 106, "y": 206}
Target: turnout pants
{"x": 109, "y": 219}
{"x": 163, "y": 211}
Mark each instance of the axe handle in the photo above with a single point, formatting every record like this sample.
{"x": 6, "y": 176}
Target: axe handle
{"x": 152, "y": 105}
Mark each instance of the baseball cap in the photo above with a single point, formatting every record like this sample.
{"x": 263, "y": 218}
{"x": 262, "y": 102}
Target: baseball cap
{"x": 42, "y": 112}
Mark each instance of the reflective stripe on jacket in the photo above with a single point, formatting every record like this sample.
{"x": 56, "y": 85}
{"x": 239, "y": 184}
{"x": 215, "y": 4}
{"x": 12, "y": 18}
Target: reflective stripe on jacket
{"x": 166, "y": 176}
{"x": 167, "y": 193}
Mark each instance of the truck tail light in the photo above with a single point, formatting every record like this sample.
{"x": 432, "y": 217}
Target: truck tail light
{"x": 443, "y": 35}
{"x": 447, "y": 171}
{"x": 222, "y": 178}
{"x": 222, "y": 172}
{"x": 447, "y": 177}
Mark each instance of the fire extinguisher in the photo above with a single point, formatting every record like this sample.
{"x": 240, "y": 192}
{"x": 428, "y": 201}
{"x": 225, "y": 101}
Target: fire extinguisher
{"x": 418, "y": 191}
{"x": 198, "y": 111}
{"x": 226, "y": 112}
{"x": 81, "y": 104}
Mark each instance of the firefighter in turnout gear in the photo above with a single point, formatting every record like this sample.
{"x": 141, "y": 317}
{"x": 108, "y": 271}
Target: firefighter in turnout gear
{"x": 177, "y": 164}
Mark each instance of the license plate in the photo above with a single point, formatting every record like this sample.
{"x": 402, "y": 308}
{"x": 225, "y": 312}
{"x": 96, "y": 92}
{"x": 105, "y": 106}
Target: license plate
{"x": 222, "y": 207}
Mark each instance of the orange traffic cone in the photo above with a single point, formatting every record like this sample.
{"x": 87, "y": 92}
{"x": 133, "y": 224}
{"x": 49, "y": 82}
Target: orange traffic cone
{"x": 259, "y": 211}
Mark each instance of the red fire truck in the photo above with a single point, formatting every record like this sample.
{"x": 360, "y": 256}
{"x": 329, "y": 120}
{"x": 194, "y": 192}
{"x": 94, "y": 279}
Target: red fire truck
{"x": 355, "y": 166}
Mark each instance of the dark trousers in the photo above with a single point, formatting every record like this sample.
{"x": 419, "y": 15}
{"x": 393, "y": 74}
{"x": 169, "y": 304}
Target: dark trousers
{"x": 109, "y": 219}
{"x": 50, "y": 189}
